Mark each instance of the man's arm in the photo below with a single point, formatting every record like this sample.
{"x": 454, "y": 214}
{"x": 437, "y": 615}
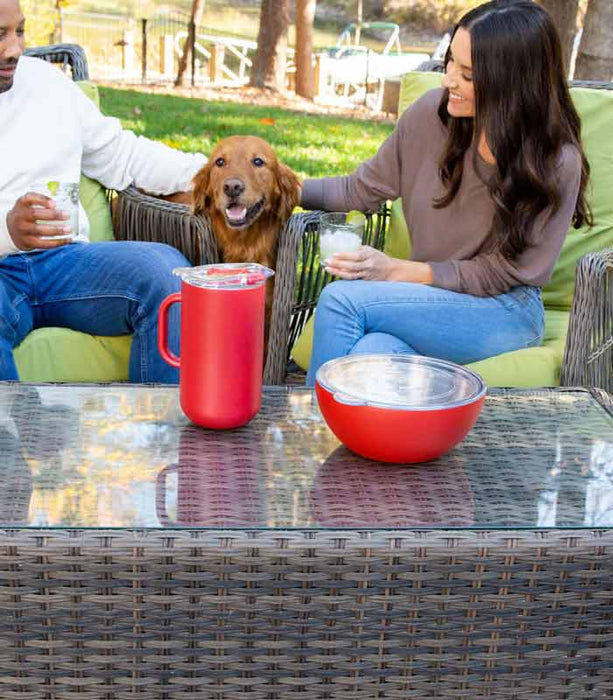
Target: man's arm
{"x": 118, "y": 158}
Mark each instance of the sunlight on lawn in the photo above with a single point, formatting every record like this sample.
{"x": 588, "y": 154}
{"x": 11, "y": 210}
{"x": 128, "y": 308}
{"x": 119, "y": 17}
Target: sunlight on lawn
{"x": 312, "y": 145}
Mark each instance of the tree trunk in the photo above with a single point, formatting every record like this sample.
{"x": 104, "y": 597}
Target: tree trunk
{"x": 268, "y": 69}
{"x": 195, "y": 20}
{"x": 564, "y": 15}
{"x": 56, "y": 37}
{"x": 595, "y": 57}
{"x": 305, "y": 77}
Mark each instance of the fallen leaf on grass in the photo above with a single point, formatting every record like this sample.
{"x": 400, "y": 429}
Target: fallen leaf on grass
{"x": 172, "y": 143}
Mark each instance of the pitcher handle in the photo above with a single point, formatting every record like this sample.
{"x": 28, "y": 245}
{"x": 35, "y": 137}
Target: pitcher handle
{"x": 167, "y": 354}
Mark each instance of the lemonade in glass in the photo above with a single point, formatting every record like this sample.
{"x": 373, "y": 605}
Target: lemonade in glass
{"x": 66, "y": 198}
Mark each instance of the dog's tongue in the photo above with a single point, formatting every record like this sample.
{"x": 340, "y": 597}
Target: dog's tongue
{"x": 236, "y": 213}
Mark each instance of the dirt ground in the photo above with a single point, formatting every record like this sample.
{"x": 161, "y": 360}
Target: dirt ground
{"x": 258, "y": 96}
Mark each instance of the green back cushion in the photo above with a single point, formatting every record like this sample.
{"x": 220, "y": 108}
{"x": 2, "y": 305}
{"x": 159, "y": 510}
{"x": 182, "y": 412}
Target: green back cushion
{"x": 595, "y": 108}
{"x": 92, "y": 193}
{"x": 413, "y": 86}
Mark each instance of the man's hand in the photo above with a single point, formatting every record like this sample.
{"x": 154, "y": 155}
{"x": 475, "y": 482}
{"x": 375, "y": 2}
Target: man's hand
{"x": 27, "y": 222}
{"x": 370, "y": 264}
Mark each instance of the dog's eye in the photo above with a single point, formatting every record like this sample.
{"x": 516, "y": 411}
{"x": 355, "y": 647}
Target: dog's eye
{"x": 220, "y": 162}
{"x": 258, "y": 162}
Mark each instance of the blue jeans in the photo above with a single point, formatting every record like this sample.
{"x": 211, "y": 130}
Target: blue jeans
{"x": 111, "y": 288}
{"x": 401, "y": 317}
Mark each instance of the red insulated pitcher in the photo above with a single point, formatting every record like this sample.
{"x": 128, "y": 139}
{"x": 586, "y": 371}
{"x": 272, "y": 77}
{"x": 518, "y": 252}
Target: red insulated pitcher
{"x": 222, "y": 342}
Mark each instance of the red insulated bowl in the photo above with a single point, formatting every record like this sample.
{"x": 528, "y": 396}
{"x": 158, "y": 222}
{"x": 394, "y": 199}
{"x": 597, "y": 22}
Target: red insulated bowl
{"x": 399, "y": 408}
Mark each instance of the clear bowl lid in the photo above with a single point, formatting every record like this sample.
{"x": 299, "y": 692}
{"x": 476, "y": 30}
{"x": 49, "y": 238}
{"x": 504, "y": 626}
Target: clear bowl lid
{"x": 411, "y": 382}
{"x": 225, "y": 275}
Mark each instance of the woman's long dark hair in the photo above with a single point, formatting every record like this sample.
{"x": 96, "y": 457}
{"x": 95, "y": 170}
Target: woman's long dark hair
{"x": 523, "y": 105}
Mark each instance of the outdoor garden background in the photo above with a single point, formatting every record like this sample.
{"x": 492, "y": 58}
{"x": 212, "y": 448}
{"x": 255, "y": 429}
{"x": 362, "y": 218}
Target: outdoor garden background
{"x": 134, "y": 48}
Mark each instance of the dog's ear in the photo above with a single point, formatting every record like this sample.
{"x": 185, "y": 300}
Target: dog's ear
{"x": 201, "y": 199}
{"x": 289, "y": 191}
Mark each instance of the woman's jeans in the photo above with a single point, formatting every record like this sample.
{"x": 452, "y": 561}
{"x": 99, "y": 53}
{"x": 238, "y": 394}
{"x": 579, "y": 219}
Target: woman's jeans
{"x": 415, "y": 319}
{"x": 110, "y": 288}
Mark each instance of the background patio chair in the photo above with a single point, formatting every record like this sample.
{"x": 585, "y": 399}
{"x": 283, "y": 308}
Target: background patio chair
{"x": 70, "y": 57}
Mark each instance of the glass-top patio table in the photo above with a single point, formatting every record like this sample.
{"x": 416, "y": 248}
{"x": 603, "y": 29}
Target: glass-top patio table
{"x": 142, "y": 556}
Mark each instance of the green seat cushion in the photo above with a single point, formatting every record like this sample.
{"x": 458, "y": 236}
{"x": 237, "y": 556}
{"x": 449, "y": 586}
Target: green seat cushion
{"x": 302, "y": 348}
{"x": 59, "y": 354}
{"x": 529, "y": 367}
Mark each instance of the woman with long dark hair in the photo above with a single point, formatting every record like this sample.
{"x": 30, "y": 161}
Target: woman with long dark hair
{"x": 491, "y": 172}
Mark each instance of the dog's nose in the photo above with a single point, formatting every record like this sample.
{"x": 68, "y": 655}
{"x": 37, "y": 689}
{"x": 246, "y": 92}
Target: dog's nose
{"x": 233, "y": 187}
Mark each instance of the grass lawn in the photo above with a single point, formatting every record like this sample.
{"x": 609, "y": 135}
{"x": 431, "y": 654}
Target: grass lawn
{"x": 312, "y": 145}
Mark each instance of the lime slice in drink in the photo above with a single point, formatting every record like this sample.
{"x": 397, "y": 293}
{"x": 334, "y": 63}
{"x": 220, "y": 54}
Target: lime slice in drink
{"x": 53, "y": 187}
{"x": 356, "y": 217}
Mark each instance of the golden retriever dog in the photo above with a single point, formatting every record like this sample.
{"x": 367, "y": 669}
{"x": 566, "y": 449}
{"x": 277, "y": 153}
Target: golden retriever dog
{"x": 248, "y": 195}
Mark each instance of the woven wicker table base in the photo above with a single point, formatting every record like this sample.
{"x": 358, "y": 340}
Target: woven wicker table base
{"x": 141, "y": 556}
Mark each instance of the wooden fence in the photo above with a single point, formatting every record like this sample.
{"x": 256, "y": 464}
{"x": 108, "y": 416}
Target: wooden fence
{"x": 122, "y": 49}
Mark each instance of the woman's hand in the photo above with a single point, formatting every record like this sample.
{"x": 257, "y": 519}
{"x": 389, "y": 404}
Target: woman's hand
{"x": 370, "y": 264}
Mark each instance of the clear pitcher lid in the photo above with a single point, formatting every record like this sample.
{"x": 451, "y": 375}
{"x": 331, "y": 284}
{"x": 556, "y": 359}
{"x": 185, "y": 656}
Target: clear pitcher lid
{"x": 410, "y": 382}
{"x": 225, "y": 275}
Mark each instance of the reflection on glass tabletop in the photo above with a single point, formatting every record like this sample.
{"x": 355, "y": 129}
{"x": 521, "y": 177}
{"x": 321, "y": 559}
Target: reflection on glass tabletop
{"x": 125, "y": 456}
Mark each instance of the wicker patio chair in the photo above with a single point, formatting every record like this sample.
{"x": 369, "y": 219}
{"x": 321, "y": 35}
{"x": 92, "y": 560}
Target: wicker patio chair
{"x": 299, "y": 277}
{"x": 68, "y": 56}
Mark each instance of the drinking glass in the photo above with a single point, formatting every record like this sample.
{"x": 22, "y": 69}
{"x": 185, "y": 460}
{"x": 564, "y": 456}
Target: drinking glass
{"x": 66, "y": 198}
{"x": 339, "y": 232}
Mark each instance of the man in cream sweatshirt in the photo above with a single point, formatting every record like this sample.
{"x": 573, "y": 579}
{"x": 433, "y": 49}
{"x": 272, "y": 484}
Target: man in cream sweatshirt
{"x": 50, "y": 131}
